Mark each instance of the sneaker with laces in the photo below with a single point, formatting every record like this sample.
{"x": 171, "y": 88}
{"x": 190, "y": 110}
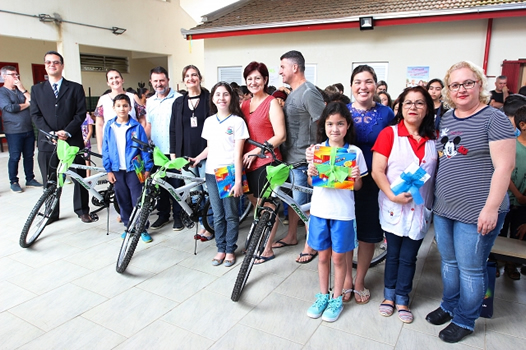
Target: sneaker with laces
{"x": 146, "y": 238}
{"x": 316, "y": 310}
{"x": 15, "y": 187}
{"x": 160, "y": 222}
{"x": 33, "y": 183}
{"x": 333, "y": 310}
{"x": 178, "y": 225}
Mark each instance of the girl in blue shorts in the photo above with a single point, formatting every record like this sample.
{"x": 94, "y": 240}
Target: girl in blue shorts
{"x": 332, "y": 221}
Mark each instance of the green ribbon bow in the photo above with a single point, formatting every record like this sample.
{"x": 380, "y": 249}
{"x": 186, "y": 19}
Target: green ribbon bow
{"x": 276, "y": 175}
{"x": 335, "y": 173}
{"x": 66, "y": 154}
{"x": 162, "y": 161}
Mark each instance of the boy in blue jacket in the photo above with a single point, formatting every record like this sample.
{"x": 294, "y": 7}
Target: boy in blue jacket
{"x": 117, "y": 156}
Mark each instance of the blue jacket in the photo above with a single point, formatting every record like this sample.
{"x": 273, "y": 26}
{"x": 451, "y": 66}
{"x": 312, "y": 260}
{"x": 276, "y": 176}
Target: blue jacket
{"x": 110, "y": 155}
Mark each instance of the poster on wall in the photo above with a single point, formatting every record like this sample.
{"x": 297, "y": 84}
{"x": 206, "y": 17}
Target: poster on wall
{"x": 417, "y": 75}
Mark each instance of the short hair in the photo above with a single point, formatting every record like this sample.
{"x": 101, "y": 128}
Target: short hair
{"x": 484, "y": 95}
{"x": 121, "y": 97}
{"x": 112, "y": 70}
{"x": 382, "y": 82}
{"x": 187, "y": 68}
{"x": 513, "y": 103}
{"x": 324, "y": 95}
{"x": 56, "y": 54}
{"x": 435, "y": 80}
{"x": 296, "y": 57}
{"x": 522, "y": 91}
{"x": 427, "y": 128}
{"x": 339, "y": 86}
{"x": 7, "y": 68}
{"x": 520, "y": 116}
{"x": 502, "y": 77}
{"x": 159, "y": 70}
{"x": 364, "y": 68}
{"x": 259, "y": 67}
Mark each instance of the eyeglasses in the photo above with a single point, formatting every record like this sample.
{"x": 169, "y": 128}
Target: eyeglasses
{"x": 418, "y": 104}
{"x": 13, "y": 74}
{"x": 468, "y": 84}
{"x": 49, "y": 63}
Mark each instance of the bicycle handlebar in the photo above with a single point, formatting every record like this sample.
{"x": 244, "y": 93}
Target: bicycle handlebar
{"x": 52, "y": 139}
{"x": 267, "y": 147}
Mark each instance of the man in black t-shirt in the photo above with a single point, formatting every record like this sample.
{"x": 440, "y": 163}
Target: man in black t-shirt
{"x": 501, "y": 92}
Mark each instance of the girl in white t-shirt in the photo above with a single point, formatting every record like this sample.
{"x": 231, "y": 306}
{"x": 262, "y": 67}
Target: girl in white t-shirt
{"x": 332, "y": 220}
{"x": 225, "y": 132}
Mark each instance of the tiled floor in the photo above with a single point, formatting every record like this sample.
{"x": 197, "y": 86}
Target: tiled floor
{"x": 64, "y": 293}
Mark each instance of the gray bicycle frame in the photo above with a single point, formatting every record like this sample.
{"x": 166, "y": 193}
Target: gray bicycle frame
{"x": 180, "y": 193}
{"x": 89, "y": 182}
{"x": 298, "y": 209}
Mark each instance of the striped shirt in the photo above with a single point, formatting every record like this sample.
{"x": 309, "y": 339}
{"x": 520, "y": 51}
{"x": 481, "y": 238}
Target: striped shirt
{"x": 464, "y": 163}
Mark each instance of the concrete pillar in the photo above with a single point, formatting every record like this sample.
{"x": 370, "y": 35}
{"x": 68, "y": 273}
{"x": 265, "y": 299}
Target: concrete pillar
{"x": 69, "y": 48}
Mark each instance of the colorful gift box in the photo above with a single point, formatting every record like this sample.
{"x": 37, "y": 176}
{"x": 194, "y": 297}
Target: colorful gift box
{"x": 225, "y": 178}
{"x": 410, "y": 181}
{"x": 334, "y": 166}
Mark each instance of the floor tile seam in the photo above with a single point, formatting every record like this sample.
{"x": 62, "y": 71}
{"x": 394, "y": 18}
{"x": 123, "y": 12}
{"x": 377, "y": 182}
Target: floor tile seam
{"x": 328, "y": 325}
{"x": 487, "y": 330}
{"x": 275, "y": 335}
{"x": 34, "y": 325}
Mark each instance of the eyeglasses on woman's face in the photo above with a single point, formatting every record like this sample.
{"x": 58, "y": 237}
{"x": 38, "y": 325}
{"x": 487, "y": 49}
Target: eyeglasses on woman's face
{"x": 468, "y": 84}
{"x": 418, "y": 104}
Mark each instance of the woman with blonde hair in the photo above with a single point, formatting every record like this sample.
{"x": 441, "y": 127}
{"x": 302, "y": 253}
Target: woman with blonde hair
{"x": 476, "y": 155}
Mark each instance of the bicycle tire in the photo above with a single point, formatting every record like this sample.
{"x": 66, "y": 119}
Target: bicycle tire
{"x": 133, "y": 234}
{"x": 257, "y": 244}
{"x": 380, "y": 253}
{"x": 208, "y": 217}
{"x": 39, "y": 216}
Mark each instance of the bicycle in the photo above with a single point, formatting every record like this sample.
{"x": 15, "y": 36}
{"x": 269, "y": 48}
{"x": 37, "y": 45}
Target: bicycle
{"x": 265, "y": 216}
{"x": 41, "y": 212}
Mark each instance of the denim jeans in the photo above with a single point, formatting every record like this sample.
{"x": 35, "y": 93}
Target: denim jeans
{"x": 21, "y": 144}
{"x": 226, "y": 217}
{"x": 464, "y": 254}
{"x": 127, "y": 190}
{"x": 299, "y": 177}
{"x": 400, "y": 265}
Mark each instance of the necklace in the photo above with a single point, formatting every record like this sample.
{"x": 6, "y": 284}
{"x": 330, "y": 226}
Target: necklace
{"x": 193, "y": 118}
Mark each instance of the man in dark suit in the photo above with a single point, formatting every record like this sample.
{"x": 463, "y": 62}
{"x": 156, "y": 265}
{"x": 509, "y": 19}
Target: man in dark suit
{"x": 58, "y": 106}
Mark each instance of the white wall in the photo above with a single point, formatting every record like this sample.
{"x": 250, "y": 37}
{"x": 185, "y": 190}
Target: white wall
{"x": 153, "y": 27}
{"x": 437, "y": 45}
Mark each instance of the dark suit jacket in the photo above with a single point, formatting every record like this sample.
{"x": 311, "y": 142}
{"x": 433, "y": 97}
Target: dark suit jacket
{"x": 67, "y": 112}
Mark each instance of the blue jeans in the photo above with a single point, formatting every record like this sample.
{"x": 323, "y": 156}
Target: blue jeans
{"x": 21, "y": 144}
{"x": 299, "y": 177}
{"x": 400, "y": 265}
{"x": 464, "y": 254}
{"x": 127, "y": 190}
{"x": 226, "y": 217}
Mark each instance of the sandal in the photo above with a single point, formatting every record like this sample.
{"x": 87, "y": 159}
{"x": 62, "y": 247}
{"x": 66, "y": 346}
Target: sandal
{"x": 364, "y": 295}
{"x": 386, "y": 309}
{"x": 405, "y": 315}
{"x": 205, "y": 238}
{"x": 345, "y": 292}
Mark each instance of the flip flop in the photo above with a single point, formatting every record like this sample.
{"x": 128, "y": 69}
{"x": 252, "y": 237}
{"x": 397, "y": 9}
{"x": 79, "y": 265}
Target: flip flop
{"x": 312, "y": 256}
{"x": 282, "y": 244}
{"x": 264, "y": 259}
{"x": 345, "y": 292}
{"x": 364, "y": 295}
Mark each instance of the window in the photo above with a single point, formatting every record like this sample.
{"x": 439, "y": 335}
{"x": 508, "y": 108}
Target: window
{"x": 310, "y": 73}
{"x": 380, "y": 68}
{"x": 99, "y": 63}
{"x": 230, "y": 74}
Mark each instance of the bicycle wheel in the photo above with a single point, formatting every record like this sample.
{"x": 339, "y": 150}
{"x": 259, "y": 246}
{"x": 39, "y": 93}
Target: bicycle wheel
{"x": 255, "y": 248}
{"x": 39, "y": 216}
{"x": 133, "y": 234}
{"x": 208, "y": 216}
{"x": 245, "y": 207}
{"x": 380, "y": 253}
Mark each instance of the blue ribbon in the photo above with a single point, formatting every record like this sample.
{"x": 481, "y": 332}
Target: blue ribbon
{"x": 411, "y": 183}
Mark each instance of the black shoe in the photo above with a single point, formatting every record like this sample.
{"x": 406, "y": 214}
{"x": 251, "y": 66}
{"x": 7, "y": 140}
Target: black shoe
{"x": 438, "y": 317}
{"x": 160, "y": 222}
{"x": 453, "y": 333}
{"x": 178, "y": 225}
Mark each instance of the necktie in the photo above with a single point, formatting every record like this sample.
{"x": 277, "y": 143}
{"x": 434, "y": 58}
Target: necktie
{"x": 55, "y": 90}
